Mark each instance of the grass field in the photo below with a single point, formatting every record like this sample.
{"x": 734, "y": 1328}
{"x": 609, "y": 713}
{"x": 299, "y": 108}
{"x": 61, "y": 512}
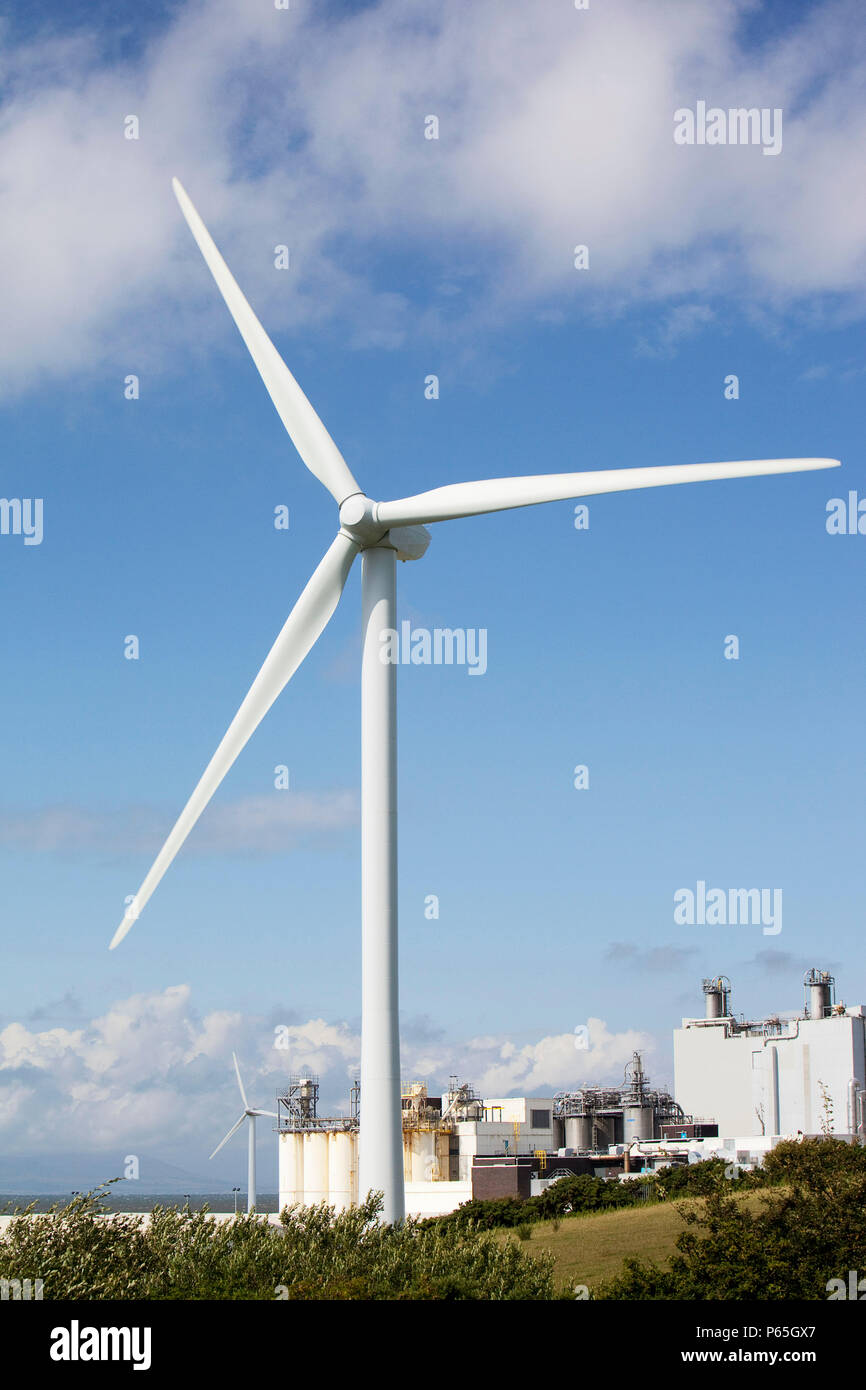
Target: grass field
{"x": 590, "y": 1249}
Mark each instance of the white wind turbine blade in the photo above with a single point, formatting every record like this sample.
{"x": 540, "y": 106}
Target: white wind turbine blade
{"x": 241, "y": 1084}
{"x": 302, "y": 628}
{"x": 305, "y": 429}
{"x": 234, "y": 1129}
{"x": 271, "y": 1114}
{"x": 502, "y": 494}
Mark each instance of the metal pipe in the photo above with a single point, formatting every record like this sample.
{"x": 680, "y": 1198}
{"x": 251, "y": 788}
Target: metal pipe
{"x": 775, "y": 1121}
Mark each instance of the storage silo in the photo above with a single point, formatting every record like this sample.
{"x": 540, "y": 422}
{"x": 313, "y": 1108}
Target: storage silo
{"x": 717, "y": 994}
{"x": 420, "y": 1161}
{"x": 605, "y": 1126}
{"x": 341, "y": 1168}
{"x": 315, "y": 1147}
{"x": 819, "y": 990}
{"x": 292, "y": 1146}
{"x": 637, "y": 1122}
{"x": 578, "y": 1132}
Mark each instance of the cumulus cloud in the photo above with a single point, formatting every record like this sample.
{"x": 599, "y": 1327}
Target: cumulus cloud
{"x": 151, "y": 1073}
{"x": 555, "y": 128}
{"x": 250, "y": 825}
{"x": 553, "y": 1063}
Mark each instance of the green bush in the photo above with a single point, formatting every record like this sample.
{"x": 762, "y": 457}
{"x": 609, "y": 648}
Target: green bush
{"x": 790, "y": 1247}
{"x": 813, "y": 1161}
{"x": 699, "y": 1179}
{"x": 583, "y": 1192}
{"x": 80, "y": 1253}
{"x": 567, "y": 1196}
{"x": 486, "y": 1216}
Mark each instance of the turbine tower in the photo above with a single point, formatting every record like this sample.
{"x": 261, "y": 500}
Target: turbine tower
{"x": 382, "y": 533}
{"x": 248, "y": 1114}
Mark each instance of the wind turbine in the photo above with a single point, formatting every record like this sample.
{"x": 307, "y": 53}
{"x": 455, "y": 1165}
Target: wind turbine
{"x": 381, "y": 532}
{"x": 249, "y": 1114}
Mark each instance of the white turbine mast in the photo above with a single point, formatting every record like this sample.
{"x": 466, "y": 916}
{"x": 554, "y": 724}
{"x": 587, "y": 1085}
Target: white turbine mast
{"x": 381, "y": 532}
{"x": 248, "y": 1114}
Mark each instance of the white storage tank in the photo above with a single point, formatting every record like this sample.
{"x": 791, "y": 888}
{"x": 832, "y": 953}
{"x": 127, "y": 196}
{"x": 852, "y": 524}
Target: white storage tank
{"x": 315, "y": 1145}
{"x": 578, "y": 1132}
{"x": 637, "y": 1122}
{"x": 292, "y": 1190}
{"x": 341, "y": 1169}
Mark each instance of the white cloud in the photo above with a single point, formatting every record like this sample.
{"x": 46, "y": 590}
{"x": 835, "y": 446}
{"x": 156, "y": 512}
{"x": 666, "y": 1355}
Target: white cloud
{"x": 555, "y": 128}
{"x": 151, "y": 1073}
{"x": 500, "y": 1068}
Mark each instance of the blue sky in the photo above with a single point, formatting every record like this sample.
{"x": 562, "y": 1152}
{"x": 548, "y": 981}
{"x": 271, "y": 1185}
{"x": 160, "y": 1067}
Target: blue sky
{"x": 605, "y": 646}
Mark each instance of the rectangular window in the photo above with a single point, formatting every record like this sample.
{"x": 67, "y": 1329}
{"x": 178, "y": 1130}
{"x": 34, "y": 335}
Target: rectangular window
{"x": 539, "y": 1119}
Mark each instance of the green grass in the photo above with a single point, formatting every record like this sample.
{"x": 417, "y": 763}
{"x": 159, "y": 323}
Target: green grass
{"x": 589, "y": 1249}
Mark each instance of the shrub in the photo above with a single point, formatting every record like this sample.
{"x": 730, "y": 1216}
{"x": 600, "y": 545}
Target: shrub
{"x": 81, "y": 1253}
{"x": 789, "y": 1248}
{"x": 813, "y": 1162}
{"x": 699, "y": 1179}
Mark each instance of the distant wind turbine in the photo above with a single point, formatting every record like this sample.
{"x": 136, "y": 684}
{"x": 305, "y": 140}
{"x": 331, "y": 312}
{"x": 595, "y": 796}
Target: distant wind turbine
{"x": 249, "y": 1114}
{"x": 382, "y": 532}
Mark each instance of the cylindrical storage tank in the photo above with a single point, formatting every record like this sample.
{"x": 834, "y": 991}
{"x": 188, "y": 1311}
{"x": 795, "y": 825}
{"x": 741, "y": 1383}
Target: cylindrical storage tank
{"x": 408, "y": 1148}
{"x": 340, "y": 1165}
{"x": 637, "y": 1122}
{"x": 716, "y": 994}
{"x": 315, "y": 1167}
{"x": 605, "y": 1131}
{"x": 558, "y": 1132}
{"x": 423, "y": 1155}
{"x": 443, "y": 1157}
{"x": 578, "y": 1132}
{"x": 292, "y": 1153}
{"x": 819, "y": 1000}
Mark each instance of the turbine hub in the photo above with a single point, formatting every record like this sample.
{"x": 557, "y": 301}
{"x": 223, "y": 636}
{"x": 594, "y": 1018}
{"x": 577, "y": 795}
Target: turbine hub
{"x": 358, "y": 520}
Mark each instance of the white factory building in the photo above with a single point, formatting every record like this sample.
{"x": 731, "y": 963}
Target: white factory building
{"x": 801, "y": 1073}
{"x": 442, "y": 1139}
{"x": 740, "y": 1086}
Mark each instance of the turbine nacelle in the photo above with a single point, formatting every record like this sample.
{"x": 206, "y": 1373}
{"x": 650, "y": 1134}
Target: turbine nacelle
{"x": 410, "y": 542}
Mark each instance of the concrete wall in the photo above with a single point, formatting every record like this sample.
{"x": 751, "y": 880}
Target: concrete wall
{"x": 435, "y": 1198}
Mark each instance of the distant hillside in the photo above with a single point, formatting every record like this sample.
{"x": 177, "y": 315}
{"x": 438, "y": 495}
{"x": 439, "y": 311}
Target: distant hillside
{"x": 63, "y": 1173}
{"x": 10, "y": 1202}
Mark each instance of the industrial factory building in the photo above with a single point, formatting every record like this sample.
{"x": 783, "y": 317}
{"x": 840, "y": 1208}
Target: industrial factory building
{"x": 739, "y": 1085}
{"x": 457, "y": 1146}
{"x": 801, "y": 1073}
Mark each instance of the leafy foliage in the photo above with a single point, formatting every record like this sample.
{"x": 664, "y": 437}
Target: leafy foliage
{"x": 699, "y": 1179}
{"x": 80, "y": 1252}
{"x": 803, "y": 1234}
{"x": 566, "y": 1196}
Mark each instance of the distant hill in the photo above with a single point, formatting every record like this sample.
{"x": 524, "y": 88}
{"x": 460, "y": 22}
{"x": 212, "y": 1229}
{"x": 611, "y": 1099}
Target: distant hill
{"x": 63, "y": 1173}
{"x": 10, "y": 1202}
